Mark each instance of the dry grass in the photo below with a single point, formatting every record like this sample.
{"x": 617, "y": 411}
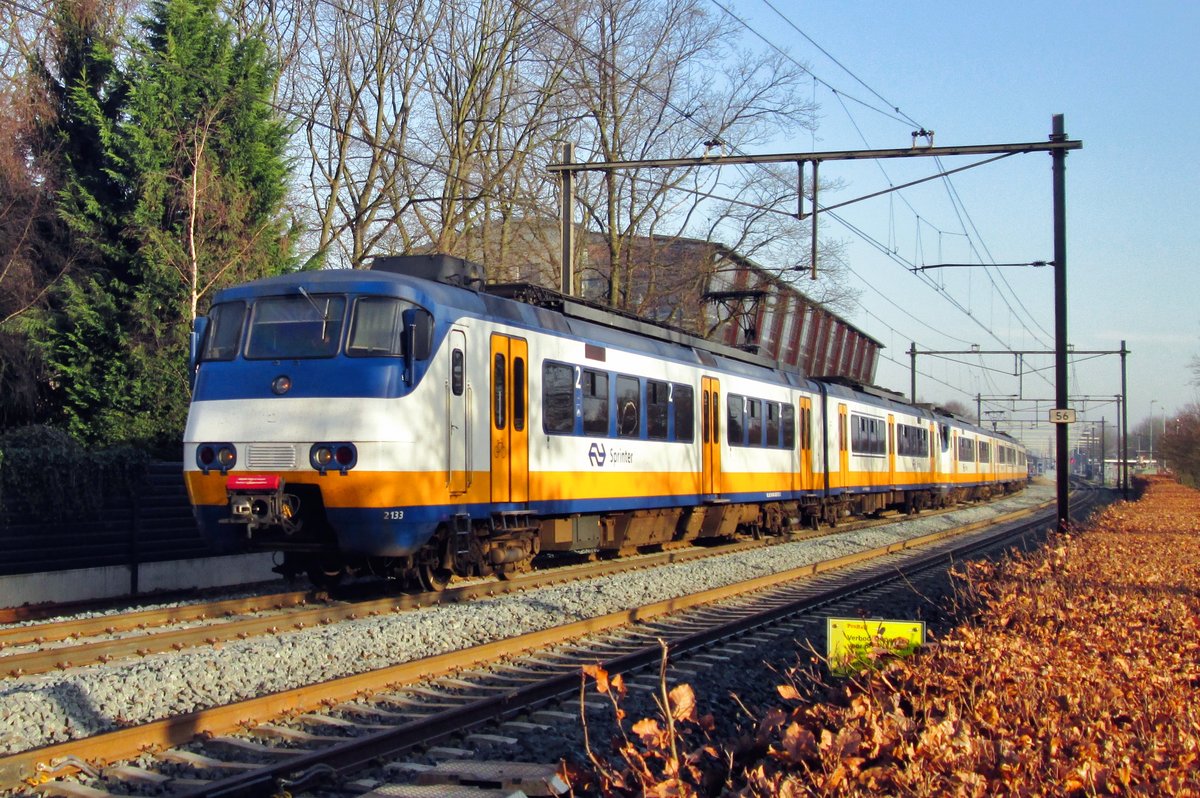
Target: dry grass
{"x": 1080, "y": 675}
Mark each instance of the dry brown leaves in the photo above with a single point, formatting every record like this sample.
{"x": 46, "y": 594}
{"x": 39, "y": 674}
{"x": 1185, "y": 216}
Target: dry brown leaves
{"x": 1079, "y": 676}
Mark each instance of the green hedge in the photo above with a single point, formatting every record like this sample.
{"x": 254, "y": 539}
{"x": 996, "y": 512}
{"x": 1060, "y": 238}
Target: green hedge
{"x": 45, "y": 475}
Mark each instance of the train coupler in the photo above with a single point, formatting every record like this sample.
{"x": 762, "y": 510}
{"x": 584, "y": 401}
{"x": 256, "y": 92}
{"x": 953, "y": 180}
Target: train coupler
{"x": 259, "y": 502}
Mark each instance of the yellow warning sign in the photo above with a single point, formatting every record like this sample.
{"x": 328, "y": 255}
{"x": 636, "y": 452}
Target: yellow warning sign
{"x": 854, "y": 643}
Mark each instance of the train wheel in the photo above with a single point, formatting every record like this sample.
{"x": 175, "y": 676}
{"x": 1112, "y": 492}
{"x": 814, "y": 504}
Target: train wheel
{"x": 432, "y": 578}
{"x": 322, "y": 580}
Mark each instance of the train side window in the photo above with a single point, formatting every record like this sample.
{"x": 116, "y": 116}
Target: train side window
{"x": 499, "y": 370}
{"x": 518, "y": 371}
{"x": 684, "y": 402}
{"x": 658, "y": 395}
{"x": 772, "y": 424}
{"x": 377, "y": 327}
{"x": 629, "y": 413}
{"x": 224, "y": 331}
{"x": 595, "y": 402}
{"x": 558, "y": 398}
{"x": 735, "y": 425}
{"x": 456, "y": 372}
{"x": 754, "y": 422}
{"x": 912, "y": 441}
{"x": 788, "y": 421}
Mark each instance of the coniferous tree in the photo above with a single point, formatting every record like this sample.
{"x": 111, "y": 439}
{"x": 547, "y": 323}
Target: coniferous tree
{"x": 81, "y": 334}
{"x": 207, "y": 176}
{"x": 170, "y": 178}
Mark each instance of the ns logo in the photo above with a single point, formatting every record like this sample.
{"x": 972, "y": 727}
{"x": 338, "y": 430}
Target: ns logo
{"x": 597, "y": 455}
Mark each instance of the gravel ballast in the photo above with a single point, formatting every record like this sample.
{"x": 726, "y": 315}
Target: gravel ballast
{"x": 49, "y": 708}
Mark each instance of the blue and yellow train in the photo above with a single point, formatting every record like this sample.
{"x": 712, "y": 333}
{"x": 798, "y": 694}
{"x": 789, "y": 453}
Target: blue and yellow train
{"x": 405, "y": 421}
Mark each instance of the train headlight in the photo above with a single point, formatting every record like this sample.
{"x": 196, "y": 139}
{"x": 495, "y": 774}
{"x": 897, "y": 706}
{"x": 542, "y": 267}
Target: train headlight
{"x": 220, "y": 456}
{"x": 333, "y": 456}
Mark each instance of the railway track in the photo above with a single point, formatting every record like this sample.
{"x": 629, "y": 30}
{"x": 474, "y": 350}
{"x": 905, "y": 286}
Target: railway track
{"x": 445, "y": 694}
{"x": 69, "y": 643}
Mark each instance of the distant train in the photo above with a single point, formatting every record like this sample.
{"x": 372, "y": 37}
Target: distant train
{"x": 406, "y": 422}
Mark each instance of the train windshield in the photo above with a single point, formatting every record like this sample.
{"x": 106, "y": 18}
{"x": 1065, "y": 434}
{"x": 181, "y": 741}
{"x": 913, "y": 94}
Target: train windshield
{"x": 293, "y": 327}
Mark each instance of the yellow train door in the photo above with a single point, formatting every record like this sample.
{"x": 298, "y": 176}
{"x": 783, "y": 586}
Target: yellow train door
{"x": 710, "y": 433}
{"x": 843, "y": 445}
{"x": 509, "y": 419}
{"x": 806, "y": 465}
{"x": 934, "y": 447}
{"x": 891, "y": 445}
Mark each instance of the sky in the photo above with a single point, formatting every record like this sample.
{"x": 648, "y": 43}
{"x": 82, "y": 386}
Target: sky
{"x": 1124, "y": 77}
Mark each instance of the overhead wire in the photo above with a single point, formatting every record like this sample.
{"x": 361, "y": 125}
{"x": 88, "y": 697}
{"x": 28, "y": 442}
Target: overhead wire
{"x": 956, "y": 201}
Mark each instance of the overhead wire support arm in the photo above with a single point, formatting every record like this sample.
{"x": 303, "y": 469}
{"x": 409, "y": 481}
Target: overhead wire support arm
{"x": 832, "y": 155}
{"x": 1035, "y": 263}
{"x": 815, "y": 158}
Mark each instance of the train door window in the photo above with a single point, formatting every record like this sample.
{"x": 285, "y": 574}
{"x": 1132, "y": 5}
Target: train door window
{"x": 716, "y": 417}
{"x": 985, "y": 452}
{"x": 456, "y": 372}
{"x": 704, "y": 414}
{"x": 629, "y": 416}
{"x": 735, "y": 425}
{"x": 224, "y": 331}
{"x": 595, "y": 402}
{"x": 806, "y": 428}
{"x": 499, "y": 369}
{"x": 558, "y": 398}
{"x": 754, "y": 422}
{"x": 788, "y": 421}
{"x": 684, "y": 403}
{"x": 945, "y": 428}
{"x": 658, "y": 406}
{"x": 518, "y": 373}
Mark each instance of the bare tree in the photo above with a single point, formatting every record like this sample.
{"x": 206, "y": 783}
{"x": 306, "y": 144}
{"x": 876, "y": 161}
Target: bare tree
{"x": 663, "y": 78}
{"x": 495, "y": 76}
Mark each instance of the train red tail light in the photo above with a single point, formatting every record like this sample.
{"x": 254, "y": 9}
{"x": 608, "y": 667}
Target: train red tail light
{"x": 218, "y": 456}
{"x": 340, "y": 457}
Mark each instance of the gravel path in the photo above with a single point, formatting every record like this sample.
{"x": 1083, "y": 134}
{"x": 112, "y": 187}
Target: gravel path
{"x": 48, "y": 708}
